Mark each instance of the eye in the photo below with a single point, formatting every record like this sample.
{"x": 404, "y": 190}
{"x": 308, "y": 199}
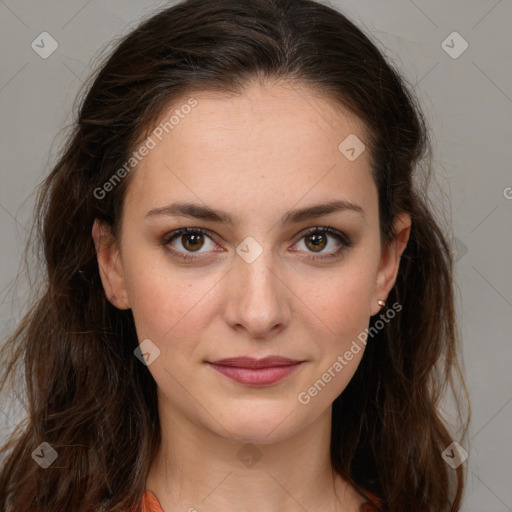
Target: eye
{"x": 316, "y": 239}
{"x": 185, "y": 242}
{"x": 191, "y": 240}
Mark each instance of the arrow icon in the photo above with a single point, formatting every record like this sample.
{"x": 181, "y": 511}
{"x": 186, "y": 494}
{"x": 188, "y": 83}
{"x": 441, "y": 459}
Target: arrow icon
{"x": 44, "y": 455}
{"x": 454, "y": 45}
{"x": 44, "y": 45}
{"x": 454, "y": 455}
{"x": 351, "y": 147}
{"x": 249, "y": 249}
{"x": 249, "y": 455}
{"x": 147, "y": 352}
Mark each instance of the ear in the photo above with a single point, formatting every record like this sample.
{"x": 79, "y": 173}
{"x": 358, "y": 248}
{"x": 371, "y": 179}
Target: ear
{"x": 390, "y": 261}
{"x": 110, "y": 265}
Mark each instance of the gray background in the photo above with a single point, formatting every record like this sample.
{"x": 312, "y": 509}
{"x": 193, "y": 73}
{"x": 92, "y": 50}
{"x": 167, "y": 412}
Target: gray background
{"x": 468, "y": 104}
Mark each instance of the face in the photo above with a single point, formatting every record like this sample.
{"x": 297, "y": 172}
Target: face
{"x": 248, "y": 232}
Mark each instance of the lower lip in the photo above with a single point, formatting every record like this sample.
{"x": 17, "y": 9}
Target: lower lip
{"x": 256, "y": 376}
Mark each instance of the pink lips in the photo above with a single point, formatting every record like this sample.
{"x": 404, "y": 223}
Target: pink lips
{"x": 256, "y": 372}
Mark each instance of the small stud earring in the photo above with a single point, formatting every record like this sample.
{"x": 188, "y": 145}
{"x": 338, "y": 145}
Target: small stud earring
{"x": 381, "y": 303}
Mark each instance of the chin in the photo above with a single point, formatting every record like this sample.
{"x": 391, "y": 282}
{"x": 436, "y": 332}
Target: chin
{"x": 256, "y": 436}
{"x": 262, "y": 425}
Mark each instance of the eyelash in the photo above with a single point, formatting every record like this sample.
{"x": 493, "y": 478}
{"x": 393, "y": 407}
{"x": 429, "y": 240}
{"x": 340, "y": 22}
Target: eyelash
{"x": 345, "y": 241}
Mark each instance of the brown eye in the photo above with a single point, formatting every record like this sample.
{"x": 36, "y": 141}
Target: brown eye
{"x": 187, "y": 241}
{"x": 316, "y": 241}
{"x": 324, "y": 242}
{"x": 192, "y": 241}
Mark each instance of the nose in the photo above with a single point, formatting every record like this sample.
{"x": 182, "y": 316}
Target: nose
{"x": 257, "y": 298}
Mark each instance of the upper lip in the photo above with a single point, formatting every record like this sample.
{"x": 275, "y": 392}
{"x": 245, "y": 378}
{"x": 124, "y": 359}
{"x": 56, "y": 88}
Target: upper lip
{"x": 249, "y": 362}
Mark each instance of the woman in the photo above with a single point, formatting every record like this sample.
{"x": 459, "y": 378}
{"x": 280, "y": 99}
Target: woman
{"x": 249, "y": 303}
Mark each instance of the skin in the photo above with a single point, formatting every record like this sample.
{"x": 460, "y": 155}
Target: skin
{"x": 257, "y": 156}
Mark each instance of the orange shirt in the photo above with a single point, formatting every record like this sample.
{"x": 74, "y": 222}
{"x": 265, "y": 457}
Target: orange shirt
{"x": 150, "y": 503}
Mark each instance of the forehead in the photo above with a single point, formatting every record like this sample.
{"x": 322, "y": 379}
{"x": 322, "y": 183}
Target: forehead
{"x": 268, "y": 143}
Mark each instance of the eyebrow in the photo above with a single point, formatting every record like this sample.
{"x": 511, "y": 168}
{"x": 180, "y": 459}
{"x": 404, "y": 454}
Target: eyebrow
{"x": 206, "y": 213}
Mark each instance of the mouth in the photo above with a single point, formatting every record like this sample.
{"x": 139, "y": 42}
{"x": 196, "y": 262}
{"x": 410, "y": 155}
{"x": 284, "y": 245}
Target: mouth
{"x": 256, "y": 372}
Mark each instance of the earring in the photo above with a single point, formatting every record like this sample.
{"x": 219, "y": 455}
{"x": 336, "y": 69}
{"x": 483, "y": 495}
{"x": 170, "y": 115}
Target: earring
{"x": 381, "y": 302}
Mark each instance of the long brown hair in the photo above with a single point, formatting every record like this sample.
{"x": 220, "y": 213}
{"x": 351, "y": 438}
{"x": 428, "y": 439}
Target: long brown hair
{"x": 92, "y": 400}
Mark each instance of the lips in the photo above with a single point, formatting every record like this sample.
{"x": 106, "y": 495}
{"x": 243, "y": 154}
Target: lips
{"x": 249, "y": 362}
{"x": 256, "y": 372}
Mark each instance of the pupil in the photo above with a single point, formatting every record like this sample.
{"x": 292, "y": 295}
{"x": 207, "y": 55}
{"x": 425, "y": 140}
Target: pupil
{"x": 195, "y": 244}
{"x": 317, "y": 240}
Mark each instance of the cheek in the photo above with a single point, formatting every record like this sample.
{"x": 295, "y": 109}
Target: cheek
{"x": 341, "y": 307}
{"x": 165, "y": 302}
{"x": 341, "y": 301}
{"x": 343, "y": 314}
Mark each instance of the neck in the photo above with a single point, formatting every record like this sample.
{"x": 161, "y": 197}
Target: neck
{"x": 196, "y": 468}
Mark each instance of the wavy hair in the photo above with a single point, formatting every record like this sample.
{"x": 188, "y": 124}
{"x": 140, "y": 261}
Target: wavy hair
{"x": 86, "y": 393}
